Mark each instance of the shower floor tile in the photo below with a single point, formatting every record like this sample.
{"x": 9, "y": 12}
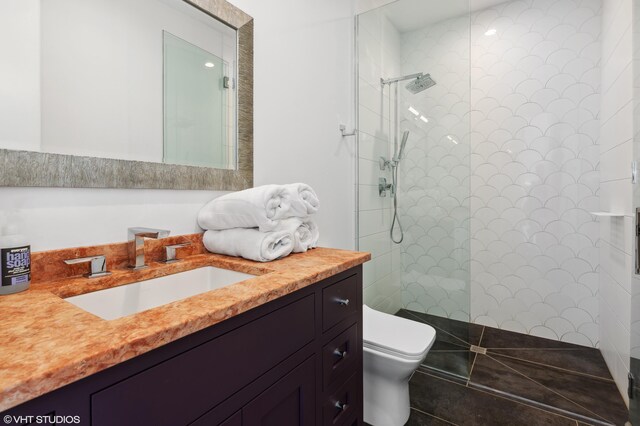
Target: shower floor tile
{"x": 453, "y": 403}
{"x": 559, "y": 381}
{"x": 580, "y": 396}
{"x": 455, "y": 363}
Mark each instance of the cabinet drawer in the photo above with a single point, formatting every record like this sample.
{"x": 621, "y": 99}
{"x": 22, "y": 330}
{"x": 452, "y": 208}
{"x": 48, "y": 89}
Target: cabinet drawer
{"x": 340, "y": 407}
{"x": 182, "y": 388}
{"x": 340, "y": 356}
{"x": 339, "y": 300}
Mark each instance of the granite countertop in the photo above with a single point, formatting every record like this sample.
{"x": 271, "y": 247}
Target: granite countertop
{"x": 47, "y": 343}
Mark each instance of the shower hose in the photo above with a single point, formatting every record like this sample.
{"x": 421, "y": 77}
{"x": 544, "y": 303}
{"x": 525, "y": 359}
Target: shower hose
{"x": 396, "y": 219}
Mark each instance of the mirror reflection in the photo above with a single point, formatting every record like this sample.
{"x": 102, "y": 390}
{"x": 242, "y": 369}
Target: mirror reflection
{"x": 150, "y": 80}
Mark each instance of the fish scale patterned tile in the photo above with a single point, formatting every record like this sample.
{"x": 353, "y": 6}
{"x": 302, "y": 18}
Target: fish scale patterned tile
{"x": 531, "y": 141}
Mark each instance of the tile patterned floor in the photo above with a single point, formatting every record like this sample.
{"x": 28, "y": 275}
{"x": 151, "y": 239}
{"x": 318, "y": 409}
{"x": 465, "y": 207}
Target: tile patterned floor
{"x": 520, "y": 380}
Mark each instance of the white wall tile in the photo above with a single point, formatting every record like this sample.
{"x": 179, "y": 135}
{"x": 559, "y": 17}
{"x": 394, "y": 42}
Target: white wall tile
{"x": 532, "y": 140}
{"x": 374, "y": 221}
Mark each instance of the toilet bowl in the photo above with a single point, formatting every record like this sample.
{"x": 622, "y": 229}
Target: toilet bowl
{"x": 394, "y": 347}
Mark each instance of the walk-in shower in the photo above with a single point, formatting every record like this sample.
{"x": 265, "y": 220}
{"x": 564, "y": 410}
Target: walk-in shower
{"x": 493, "y": 170}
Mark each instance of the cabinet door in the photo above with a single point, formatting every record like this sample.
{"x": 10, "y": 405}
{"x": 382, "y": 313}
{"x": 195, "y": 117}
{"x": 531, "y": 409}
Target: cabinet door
{"x": 183, "y": 388}
{"x": 290, "y": 401}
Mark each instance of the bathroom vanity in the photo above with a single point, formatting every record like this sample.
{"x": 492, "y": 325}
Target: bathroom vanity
{"x": 294, "y": 359}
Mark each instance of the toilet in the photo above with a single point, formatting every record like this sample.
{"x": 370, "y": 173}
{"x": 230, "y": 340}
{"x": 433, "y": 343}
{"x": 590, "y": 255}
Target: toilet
{"x": 394, "y": 347}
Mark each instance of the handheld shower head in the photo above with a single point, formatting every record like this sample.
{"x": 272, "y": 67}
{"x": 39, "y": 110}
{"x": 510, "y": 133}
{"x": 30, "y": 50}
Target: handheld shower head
{"x": 421, "y": 83}
{"x": 403, "y": 144}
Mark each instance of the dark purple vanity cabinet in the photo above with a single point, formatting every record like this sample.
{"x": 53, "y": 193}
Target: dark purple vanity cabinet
{"x": 294, "y": 361}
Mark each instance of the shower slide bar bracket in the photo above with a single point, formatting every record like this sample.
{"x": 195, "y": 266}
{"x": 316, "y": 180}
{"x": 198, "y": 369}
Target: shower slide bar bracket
{"x": 343, "y": 130}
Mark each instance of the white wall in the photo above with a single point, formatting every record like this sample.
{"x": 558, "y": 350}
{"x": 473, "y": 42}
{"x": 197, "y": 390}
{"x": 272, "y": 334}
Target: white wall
{"x": 20, "y": 74}
{"x": 616, "y": 150}
{"x": 378, "y": 56}
{"x": 55, "y": 218}
{"x": 363, "y": 6}
{"x": 303, "y": 90}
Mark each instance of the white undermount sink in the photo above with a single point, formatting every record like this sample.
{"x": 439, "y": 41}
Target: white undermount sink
{"x": 129, "y": 299}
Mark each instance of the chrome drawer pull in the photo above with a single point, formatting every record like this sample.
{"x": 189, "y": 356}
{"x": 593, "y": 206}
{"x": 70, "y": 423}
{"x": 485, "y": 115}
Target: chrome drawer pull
{"x": 343, "y": 302}
{"x": 341, "y": 406}
{"x": 339, "y": 353}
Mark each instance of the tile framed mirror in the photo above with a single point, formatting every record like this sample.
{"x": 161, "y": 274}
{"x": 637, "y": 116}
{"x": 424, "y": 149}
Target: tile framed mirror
{"x": 154, "y": 94}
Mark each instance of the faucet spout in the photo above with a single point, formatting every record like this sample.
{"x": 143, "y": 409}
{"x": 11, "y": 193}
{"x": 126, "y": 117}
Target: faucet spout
{"x": 136, "y": 238}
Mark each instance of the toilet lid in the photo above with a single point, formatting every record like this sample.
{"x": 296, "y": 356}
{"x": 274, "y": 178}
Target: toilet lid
{"x": 395, "y": 335}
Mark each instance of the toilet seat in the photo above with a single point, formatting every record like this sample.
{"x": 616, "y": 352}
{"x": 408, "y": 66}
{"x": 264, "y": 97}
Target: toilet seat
{"x": 396, "y": 336}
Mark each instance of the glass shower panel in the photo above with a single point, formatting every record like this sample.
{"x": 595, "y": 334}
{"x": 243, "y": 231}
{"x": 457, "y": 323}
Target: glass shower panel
{"x": 424, "y": 274}
{"x": 634, "y": 344}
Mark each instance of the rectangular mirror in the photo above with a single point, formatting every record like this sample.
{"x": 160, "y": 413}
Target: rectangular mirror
{"x": 126, "y": 94}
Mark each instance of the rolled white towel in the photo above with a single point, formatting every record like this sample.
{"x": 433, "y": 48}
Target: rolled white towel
{"x": 249, "y": 243}
{"x": 304, "y": 230}
{"x": 303, "y": 200}
{"x": 260, "y": 207}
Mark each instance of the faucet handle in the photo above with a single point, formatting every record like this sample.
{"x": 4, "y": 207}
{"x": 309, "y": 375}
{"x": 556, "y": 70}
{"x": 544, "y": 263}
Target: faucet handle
{"x": 171, "y": 252}
{"x": 98, "y": 265}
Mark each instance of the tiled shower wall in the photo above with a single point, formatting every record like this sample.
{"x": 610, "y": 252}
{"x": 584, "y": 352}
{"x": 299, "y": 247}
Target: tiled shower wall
{"x": 434, "y": 176}
{"x": 534, "y": 157}
{"x": 378, "y": 56}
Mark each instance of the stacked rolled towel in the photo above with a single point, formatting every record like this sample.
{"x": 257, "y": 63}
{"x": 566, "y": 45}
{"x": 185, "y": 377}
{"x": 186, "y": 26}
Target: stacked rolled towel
{"x": 263, "y": 223}
{"x": 304, "y": 230}
{"x": 249, "y": 243}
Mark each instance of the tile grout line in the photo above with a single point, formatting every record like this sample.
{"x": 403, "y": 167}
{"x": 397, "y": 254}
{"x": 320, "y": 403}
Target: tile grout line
{"x": 604, "y": 379}
{"x": 526, "y": 348}
{"x": 551, "y": 390}
{"x": 500, "y": 396}
{"x": 484, "y": 327}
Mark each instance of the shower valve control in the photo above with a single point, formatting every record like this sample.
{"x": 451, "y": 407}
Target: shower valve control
{"x": 383, "y": 187}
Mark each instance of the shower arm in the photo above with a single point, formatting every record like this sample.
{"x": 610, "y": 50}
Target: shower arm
{"x": 397, "y": 79}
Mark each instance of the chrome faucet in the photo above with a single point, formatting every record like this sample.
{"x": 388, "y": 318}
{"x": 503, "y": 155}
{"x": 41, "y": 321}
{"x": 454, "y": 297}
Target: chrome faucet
{"x": 136, "y": 238}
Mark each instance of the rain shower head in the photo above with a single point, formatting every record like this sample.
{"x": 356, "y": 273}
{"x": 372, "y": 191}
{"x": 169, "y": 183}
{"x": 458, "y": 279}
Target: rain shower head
{"x": 421, "y": 83}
